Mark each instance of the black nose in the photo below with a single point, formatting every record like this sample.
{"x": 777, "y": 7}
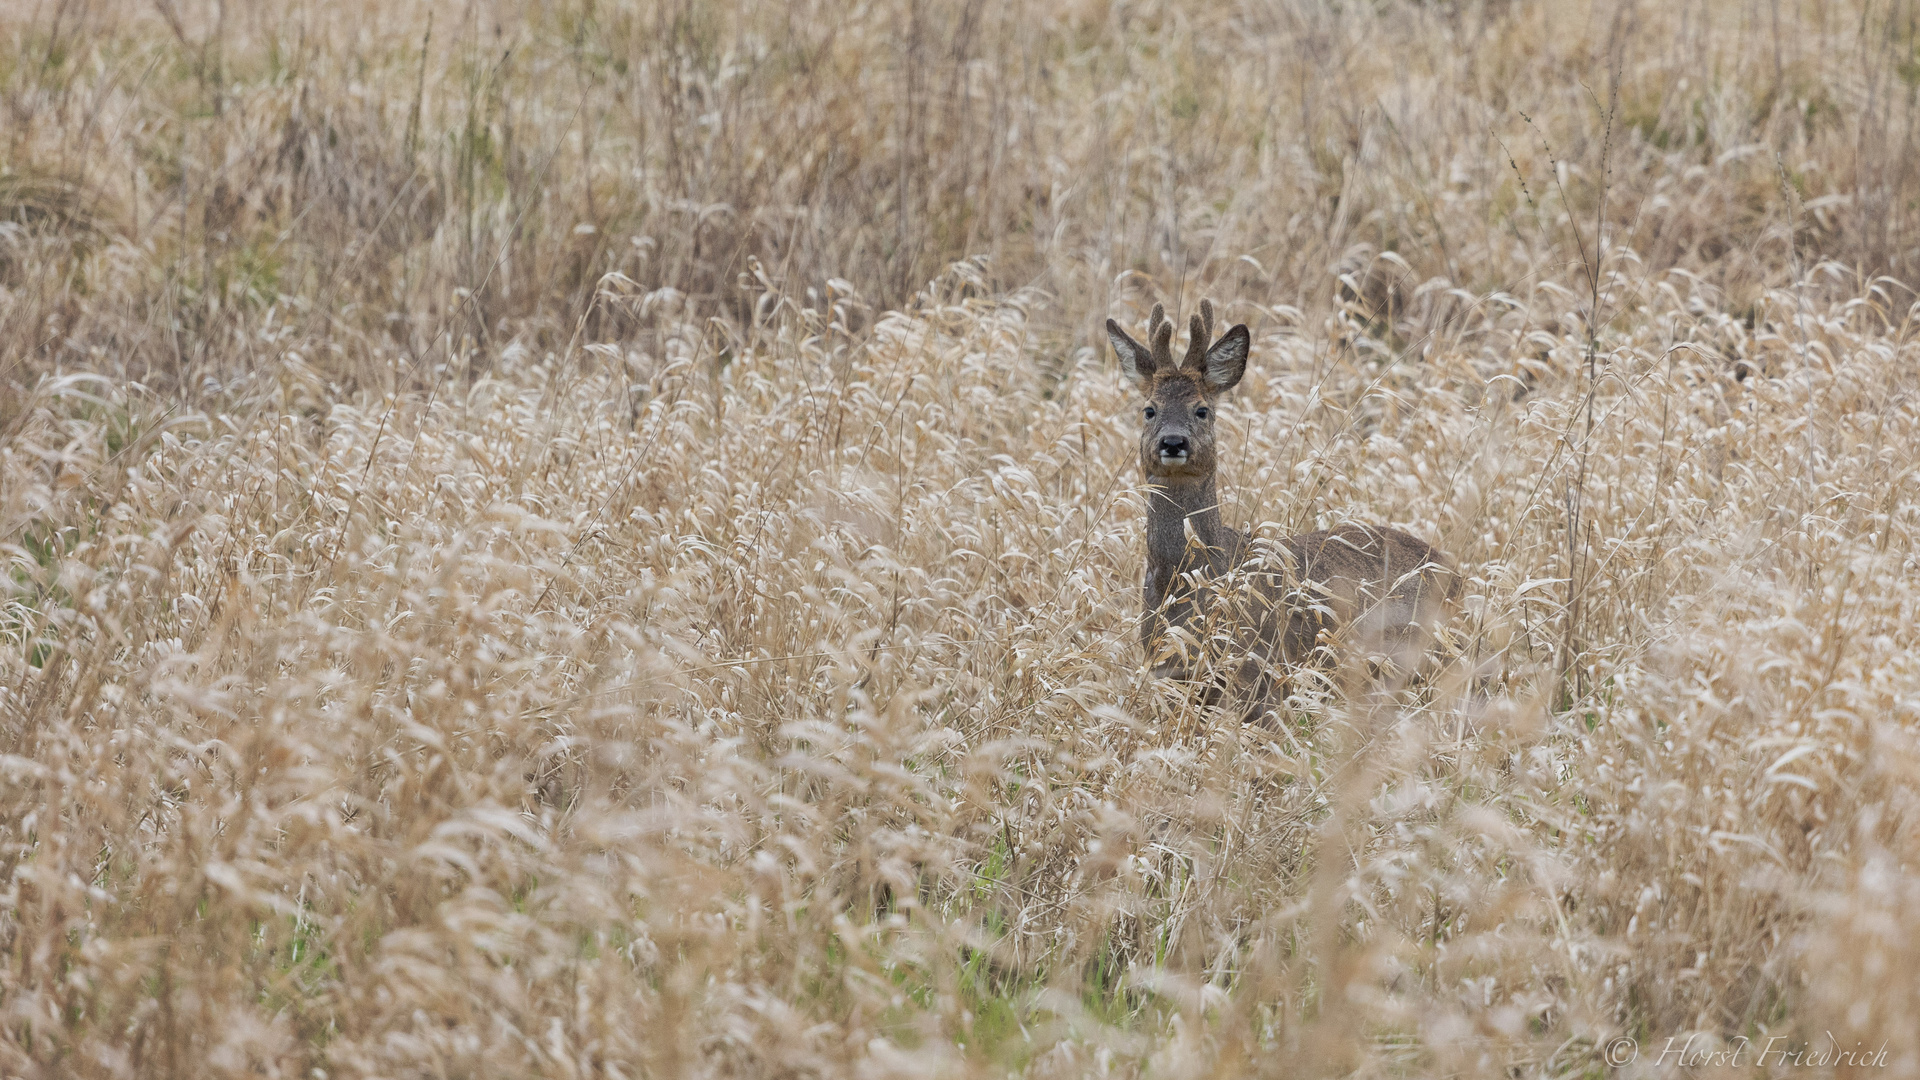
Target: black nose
{"x": 1173, "y": 444}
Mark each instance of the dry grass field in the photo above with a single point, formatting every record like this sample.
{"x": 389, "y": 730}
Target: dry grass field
{"x": 588, "y": 540}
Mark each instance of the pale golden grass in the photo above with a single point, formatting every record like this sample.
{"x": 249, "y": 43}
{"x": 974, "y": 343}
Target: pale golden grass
{"x": 499, "y": 734}
{"x": 656, "y": 658}
{"x": 387, "y": 188}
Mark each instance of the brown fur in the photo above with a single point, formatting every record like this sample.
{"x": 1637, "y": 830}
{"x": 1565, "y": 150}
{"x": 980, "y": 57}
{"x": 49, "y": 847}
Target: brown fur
{"x": 1359, "y": 590}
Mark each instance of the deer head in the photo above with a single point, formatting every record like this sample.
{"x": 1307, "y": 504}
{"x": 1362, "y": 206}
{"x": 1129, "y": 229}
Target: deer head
{"x": 1176, "y": 437}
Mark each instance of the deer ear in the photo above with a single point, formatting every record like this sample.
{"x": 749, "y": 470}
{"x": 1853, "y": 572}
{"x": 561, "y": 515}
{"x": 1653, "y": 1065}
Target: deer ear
{"x": 1135, "y": 361}
{"x": 1227, "y": 361}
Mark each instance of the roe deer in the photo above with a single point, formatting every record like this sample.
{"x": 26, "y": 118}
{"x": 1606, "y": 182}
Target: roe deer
{"x": 1357, "y": 588}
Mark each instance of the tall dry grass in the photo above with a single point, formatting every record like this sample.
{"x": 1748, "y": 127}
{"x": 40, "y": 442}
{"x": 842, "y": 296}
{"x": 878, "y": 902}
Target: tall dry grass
{"x": 535, "y": 549}
{"x": 391, "y": 188}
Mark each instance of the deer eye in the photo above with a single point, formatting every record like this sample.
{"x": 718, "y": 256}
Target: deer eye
{"x": 1152, "y": 412}
{"x": 1202, "y": 413}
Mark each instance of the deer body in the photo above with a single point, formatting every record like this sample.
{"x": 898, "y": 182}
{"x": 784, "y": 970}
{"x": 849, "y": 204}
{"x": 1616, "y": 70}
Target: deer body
{"x": 1364, "y": 588}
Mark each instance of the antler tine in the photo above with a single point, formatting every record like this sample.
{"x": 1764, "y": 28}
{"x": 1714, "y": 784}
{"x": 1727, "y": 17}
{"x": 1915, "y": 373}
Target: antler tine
{"x": 1197, "y": 334}
{"x": 1162, "y": 340}
{"x": 1156, "y": 322}
{"x": 1200, "y": 337}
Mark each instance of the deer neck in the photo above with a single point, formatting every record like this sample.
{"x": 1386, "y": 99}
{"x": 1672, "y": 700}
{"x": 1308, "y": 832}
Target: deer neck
{"x": 1173, "y": 508}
